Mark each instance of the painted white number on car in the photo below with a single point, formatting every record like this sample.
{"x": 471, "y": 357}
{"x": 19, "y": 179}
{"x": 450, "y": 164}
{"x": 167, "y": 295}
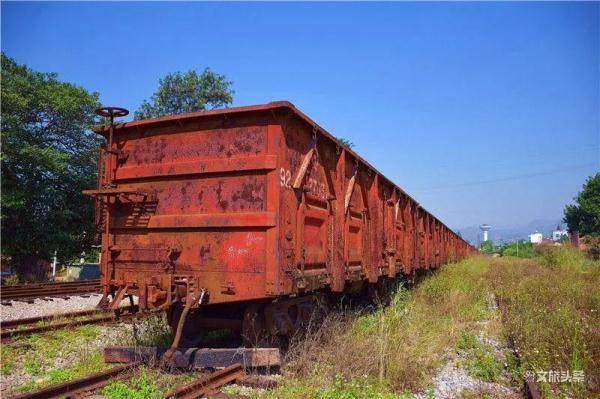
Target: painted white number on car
{"x": 314, "y": 187}
{"x": 285, "y": 178}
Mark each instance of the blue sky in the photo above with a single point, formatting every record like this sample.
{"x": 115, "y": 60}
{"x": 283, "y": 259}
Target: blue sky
{"x": 484, "y": 112}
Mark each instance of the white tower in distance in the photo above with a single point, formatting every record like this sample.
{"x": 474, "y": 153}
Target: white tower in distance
{"x": 485, "y": 228}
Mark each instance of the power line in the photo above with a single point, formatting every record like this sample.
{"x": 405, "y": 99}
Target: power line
{"x": 510, "y": 178}
{"x": 573, "y": 151}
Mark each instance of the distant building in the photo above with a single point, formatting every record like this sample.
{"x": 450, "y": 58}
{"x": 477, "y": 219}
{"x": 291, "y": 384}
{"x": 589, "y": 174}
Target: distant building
{"x": 536, "y": 238}
{"x": 559, "y": 233}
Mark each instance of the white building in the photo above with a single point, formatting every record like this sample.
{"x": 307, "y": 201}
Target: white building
{"x": 536, "y": 238}
{"x": 558, "y": 234}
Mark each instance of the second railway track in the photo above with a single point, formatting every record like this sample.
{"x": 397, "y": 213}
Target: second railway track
{"x": 48, "y": 290}
{"x": 35, "y": 325}
{"x": 77, "y": 388}
{"x": 199, "y": 388}
{"x": 208, "y": 384}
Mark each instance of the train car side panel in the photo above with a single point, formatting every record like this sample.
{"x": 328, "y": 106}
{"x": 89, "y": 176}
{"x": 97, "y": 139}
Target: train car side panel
{"x": 207, "y": 215}
{"x": 252, "y": 203}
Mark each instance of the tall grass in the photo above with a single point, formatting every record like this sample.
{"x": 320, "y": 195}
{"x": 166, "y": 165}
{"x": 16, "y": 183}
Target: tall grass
{"x": 552, "y": 306}
{"x": 551, "y": 309}
{"x": 396, "y": 348}
{"x": 152, "y": 330}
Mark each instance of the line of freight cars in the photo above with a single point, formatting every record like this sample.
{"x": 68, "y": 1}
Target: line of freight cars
{"x": 241, "y": 216}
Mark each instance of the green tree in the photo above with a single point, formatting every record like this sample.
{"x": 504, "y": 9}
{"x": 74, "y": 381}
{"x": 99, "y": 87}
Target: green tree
{"x": 48, "y": 157}
{"x": 180, "y": 93}
{"x": 487, "y": 247}
{"x": 584, "y": 215}
{"x": 521, "y": 248}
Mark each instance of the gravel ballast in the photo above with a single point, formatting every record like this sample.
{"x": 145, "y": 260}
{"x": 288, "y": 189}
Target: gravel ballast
{"x": 48, "y": 307}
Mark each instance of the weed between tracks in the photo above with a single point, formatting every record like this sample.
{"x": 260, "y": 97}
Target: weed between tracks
{"x": 152, "y": 330}
{"x": 147, "y": 383}
{"x": 479, "y": 357}
{"x": 450, "y": 322}
{"x": 552, "y": 306}
{"x": 35, "y": 361}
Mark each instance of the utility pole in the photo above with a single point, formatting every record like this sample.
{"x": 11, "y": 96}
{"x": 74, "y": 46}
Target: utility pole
{"x": 54, "y": 267}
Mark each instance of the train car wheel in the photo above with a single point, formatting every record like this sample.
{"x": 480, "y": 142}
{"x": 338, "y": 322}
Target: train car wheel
{"x": 254, "y": 327}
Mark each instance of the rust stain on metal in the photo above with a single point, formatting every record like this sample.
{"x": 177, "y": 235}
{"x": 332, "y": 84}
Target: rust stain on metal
{"x": 251, "y": 203}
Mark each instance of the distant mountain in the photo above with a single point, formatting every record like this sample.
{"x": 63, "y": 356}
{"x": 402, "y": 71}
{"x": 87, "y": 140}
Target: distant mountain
{"x": 473, "y": 234}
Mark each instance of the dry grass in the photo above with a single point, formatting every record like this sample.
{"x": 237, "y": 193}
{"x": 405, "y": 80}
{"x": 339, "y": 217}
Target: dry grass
{"x": 552, "y": 306}
{"x": 396, "y": 348}
{"x": 150, "y": 330}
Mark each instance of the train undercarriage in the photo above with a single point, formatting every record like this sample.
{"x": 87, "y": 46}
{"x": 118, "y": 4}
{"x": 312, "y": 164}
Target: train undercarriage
{"x": 258, "y": 323}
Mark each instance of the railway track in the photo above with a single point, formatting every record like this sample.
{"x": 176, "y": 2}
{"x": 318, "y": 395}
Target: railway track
{"x": 76, "y": 388}
{"x": 531, "y": 389}
{"x": 208, "y": 384}
{"x": 27, "y": 292}
{"x": 205, "y": 385}
{"x": 17, "y": 328}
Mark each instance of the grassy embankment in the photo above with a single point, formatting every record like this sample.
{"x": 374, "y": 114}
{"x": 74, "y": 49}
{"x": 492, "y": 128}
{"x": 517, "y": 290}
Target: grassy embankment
{"x": 551, "y": 306}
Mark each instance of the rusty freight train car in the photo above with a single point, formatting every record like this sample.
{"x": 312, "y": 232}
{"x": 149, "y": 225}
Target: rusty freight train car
{"x": 247, "y": 212}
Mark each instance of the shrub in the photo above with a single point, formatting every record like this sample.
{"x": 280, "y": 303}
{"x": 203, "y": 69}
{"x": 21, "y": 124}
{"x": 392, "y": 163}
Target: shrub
{"x": 521, "y": 249}
{"x": 591, "y": 246}
{"x": 152, "y": 330}
{"x": 561, "y": 256}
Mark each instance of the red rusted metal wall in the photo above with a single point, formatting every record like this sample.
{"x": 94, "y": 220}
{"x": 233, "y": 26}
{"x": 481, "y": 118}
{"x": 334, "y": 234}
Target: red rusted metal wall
{"x": 250, "y": 203}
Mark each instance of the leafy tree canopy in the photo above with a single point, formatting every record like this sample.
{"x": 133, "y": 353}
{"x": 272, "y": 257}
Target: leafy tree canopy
{"x": 487, "y": 247}
{"x": 180, "y": 93}
{"x": 584, "y": 215}
{"x": 48, "y": 157}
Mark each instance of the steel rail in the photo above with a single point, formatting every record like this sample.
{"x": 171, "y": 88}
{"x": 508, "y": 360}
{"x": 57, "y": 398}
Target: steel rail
{"x": 11, "y": 288}
{"x": 32, "y": 291}
{"x": 48, "y": 293}
{"x": 32, "y": 320}
{"x": 48, "y": 288}
{"x": 15, "y": 331}
{"x": 45, "y": 290}
{"x": 74, "y": 387}
{"x": 208, "y": 384}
